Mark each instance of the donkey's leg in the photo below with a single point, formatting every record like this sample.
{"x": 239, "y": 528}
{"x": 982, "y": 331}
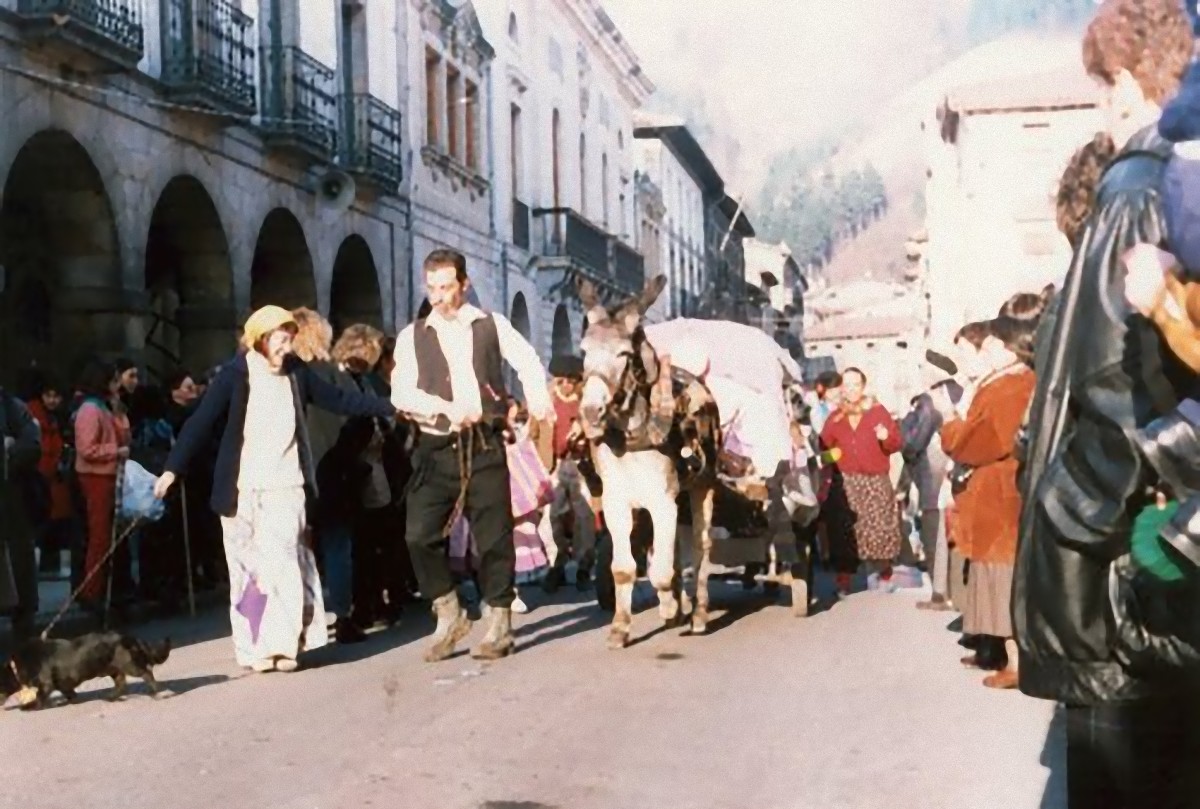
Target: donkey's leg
{"x": 665, "y": 516}
{"x": 619, "y": 517}
{"x": 702, "y": 512}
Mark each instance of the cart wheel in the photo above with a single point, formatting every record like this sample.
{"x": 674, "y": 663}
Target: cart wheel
{"x": 606, "y": 588}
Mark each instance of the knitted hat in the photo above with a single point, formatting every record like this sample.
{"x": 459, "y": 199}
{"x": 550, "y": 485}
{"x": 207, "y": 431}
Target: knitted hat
{"x": 264, "y": 321}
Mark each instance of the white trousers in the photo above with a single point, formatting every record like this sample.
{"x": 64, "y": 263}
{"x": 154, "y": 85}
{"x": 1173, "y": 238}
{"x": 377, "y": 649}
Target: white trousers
{"x": 275, "y": 603}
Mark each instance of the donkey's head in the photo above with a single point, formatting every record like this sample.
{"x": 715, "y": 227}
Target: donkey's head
{"x": 617, "y": 360}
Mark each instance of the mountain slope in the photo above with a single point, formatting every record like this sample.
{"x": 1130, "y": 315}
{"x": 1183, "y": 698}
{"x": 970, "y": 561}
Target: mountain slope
{"x": 896, "y": 144}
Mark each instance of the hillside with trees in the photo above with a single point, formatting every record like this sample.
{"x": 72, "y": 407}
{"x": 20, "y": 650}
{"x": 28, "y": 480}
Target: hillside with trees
{"x": 828, "y": 197}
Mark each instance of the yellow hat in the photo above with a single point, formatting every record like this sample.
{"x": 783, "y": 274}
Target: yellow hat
{"x": 264, "y": 321}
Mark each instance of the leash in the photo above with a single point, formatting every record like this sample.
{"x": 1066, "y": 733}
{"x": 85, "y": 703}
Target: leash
{"x": 12, "y": 662}
{"x": 100, "y": 566}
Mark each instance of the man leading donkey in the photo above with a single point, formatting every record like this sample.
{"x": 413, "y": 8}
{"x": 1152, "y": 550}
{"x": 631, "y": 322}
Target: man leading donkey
{"x": 449, "y": 378}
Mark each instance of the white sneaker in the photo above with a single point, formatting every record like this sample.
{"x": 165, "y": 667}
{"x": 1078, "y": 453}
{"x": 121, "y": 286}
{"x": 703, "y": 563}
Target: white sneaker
{"x": 519, "y": 606}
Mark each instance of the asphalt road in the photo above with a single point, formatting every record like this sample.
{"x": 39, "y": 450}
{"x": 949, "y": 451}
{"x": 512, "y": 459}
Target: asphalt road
{"x": 863, "y": 705}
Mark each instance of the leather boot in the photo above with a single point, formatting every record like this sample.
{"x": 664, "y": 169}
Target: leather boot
{"x": 498, "y": 642}
{"x": 452, "y": 626}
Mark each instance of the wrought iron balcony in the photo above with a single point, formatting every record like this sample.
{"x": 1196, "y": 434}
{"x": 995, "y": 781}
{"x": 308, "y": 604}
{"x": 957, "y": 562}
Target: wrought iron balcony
{"x": 520, "y": 224}
{"x": 300, "y": 112}
{"x": 568, "y": 239}
{"x": 108, "y": 29}
{"x": 209, "y": 54}
{"x": 630, "y": 266}
{"x": 371, "y": 140}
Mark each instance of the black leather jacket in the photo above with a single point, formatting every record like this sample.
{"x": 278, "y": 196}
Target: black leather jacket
{"x": 1103, "y": 372}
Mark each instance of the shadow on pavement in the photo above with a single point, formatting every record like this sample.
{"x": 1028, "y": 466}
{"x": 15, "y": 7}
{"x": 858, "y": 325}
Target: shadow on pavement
{"x": 137, "y": 691}
{"x": 416, "y": 622}
{"x": 583, "y": 618}
{"x": 1054, "y": 758}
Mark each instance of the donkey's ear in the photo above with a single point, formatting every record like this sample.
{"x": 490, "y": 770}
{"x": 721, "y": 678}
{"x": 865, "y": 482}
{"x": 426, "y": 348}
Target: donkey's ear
{"x": 587, "y": 293}
{"x": 654, "y": 288}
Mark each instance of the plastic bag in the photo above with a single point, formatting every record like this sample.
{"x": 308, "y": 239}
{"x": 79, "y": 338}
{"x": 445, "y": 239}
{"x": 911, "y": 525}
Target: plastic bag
{"x": 137, "y": 494}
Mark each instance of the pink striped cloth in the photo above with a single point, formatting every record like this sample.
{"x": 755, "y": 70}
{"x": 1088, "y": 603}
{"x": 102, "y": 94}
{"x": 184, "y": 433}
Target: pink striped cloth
{"x": 529, "y": 482}
{"x": 530, "y": 489}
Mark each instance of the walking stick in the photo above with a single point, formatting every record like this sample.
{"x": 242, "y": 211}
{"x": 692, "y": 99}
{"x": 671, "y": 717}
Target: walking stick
{"x": 112, "y": 541}
{"x": 187, "y": 547}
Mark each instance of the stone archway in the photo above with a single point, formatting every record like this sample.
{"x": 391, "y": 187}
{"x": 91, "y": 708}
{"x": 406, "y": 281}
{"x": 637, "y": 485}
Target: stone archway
{"x": 282, "y": 270}
{"x": 520, "y": 316}
{"x": 561, "y": 339}
{"x": 354, "y": 296}
{"x": 191, "y": 321}
{"x": 61, "y": 297}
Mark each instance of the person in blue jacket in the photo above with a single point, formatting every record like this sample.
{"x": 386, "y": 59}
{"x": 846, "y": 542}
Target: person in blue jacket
{"x": 263, "y": 485}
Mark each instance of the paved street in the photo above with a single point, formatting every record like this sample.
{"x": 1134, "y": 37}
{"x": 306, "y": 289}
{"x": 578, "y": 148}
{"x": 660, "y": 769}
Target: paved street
{"x": 861, "y": 706}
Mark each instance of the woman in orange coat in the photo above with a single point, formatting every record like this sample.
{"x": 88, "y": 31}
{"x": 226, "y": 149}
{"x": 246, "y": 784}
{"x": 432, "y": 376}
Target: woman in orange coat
{"x": 989, "y": 508}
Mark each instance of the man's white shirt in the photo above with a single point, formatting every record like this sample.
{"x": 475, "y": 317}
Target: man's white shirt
{"x": 455, "y": 337}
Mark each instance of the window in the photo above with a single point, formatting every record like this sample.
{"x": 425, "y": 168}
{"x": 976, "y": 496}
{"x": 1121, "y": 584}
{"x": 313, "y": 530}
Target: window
{"x": 620, "y": 140}
{"x": 433, "y": 110}
{"x": 471, "y": 103}
{"x": 583, "y": 174}
{"x": 556, "y": 58}
{"x": 604, "y": 188}
{"x": 514, "y": 151}
{"x": 453, "y": 144}
{"x": 513, "y": 34}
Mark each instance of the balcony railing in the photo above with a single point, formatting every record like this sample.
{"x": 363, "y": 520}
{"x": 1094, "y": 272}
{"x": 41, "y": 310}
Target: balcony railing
{"x": 109, "y": 29}
{"x": 565, "y": 234}
{"x": 301, "y": 103}
{"x": 520, "y": 224}
{"x": 209, "y": 54}
{"x": 371, "y": 140}
{"x": 630, "y": 266}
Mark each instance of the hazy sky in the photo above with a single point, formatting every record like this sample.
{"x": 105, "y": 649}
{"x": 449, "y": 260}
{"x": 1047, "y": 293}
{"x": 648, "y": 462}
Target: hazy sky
{"x": 780, "y": 72}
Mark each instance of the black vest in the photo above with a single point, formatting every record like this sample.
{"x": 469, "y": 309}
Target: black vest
{"x": 433, "y": 372}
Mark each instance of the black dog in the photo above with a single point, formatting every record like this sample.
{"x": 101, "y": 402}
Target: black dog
{"x": 63, "y": 665}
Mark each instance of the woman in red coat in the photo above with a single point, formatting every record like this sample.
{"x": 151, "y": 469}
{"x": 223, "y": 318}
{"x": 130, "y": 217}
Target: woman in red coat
{"x": 862, "y": 516}
{"x": 56, "y": 529}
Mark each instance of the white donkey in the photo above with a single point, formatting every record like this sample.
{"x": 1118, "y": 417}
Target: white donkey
{"x": 618, "y": 408}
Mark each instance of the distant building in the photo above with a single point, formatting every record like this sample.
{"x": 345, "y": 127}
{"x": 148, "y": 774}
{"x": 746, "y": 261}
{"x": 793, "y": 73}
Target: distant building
{"x": 772, "y": 268}
{"x": 673, "y": 160}
{"x": 889, "y": 350}
{"x": 996, "y": 151}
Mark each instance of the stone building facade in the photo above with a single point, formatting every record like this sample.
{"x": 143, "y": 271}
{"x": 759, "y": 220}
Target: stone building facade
{"x": 168, "y": 165}
{"x": 564, "y": 89}
{"x": 449, "y": 63}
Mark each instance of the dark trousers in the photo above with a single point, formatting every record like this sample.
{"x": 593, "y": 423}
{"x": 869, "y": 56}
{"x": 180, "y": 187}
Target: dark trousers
{"x": 162, "y": 562}
{"x": 380, "y": 565}
{"x": 1134, "y": 755}
{"x": 929, "y": 524}
{"x": 433, "y": 490}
